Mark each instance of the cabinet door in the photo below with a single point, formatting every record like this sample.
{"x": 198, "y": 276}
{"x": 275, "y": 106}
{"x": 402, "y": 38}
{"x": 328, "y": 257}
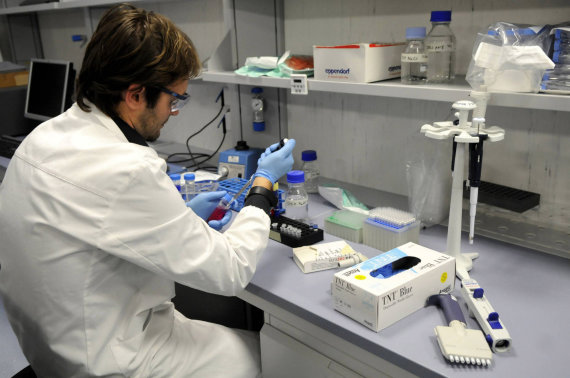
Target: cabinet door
{"x": 285, "y": 357}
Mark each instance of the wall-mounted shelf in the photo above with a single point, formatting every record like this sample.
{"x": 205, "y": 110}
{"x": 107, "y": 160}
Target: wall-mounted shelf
{"x": 393, "y": 88}
{"x": 60, "y": 5}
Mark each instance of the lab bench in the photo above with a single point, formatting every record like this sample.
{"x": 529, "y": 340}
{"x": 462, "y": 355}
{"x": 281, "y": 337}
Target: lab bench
{"x": 304, "y": 336}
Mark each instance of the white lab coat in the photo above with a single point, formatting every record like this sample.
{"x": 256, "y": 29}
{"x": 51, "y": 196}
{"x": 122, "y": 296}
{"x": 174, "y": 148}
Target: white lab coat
{"x": 93, "y": 235}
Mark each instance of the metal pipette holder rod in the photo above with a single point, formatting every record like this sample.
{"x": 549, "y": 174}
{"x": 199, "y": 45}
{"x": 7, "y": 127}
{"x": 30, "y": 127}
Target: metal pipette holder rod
{"x": 463, "y": 134}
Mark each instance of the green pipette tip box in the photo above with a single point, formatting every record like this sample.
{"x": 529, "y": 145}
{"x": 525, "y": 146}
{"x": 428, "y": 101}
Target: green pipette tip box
{"x": 346, "y": 224}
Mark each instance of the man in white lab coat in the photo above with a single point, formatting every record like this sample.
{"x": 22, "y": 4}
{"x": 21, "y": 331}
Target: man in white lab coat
{"x": 94, "y": 234}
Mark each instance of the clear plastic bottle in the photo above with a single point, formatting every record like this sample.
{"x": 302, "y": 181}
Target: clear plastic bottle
{"x": 440, "y": 48}
{"x": 296, "y": 199}
{"x": 311, "y": 170}
{"x": 175, "y": 177}
{"x": 414, "y": 58}
{"x": 189, "y": 191}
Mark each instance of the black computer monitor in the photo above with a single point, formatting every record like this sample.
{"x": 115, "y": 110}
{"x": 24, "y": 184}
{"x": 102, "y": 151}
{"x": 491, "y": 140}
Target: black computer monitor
{"x": 50, "y": 88}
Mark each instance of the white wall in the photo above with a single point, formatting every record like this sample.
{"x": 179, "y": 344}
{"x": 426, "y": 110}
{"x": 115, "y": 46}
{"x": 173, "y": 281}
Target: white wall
{"x": 367, "y": 140}
{"x": 202, "y": 20}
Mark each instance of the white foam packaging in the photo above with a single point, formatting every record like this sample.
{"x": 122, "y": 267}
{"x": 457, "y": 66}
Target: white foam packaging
{"x": 378, "y": 302}
{"x": 360, "y": 63}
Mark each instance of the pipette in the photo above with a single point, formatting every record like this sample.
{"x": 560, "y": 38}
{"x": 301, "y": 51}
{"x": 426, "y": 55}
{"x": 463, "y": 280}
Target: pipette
{"x": 475, "y": 164}
{"x": 226, "y": 201}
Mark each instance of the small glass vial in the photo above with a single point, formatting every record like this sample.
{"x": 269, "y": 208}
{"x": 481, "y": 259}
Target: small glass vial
{"x": 189, "y": 191}
{"x": 222, "y": 208}
{"x": 175, "y": 177}
{"x": 440, "y": 48}
{"x": 414, "y": 58}
{"x": 296, "y": 199}
{"x": 311, "y": 171}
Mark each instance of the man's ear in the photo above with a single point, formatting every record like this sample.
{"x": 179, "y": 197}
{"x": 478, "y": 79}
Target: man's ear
{"x": 135, "y": 97}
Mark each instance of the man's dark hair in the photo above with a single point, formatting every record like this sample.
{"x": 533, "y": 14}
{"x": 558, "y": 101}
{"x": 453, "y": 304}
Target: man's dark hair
{"x": 133, "y": 46}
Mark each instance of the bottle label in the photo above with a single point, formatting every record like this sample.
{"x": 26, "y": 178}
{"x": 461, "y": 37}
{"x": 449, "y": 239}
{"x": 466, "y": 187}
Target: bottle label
{"x": 299, "y": 201}
{"x": 440, "y": 46}
{"x": 414, "y": 58}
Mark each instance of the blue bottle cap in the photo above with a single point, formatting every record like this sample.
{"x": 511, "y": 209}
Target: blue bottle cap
{"x": 309, "y": 155}
{"x": 258, "y": 126}
{"x": 415, "y": 33}
{"x": 175, "y": 176}
{"x": 256, "y": 90}
{"x": 189, "y": 176}
{"x": 440, "y": 16}
{"x": 295, "y": 177}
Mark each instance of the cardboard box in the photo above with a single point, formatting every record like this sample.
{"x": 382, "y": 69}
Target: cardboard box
{"x": 13, "y": 79}
{"x": 361, "y": 63}
{"x": 372, "y": 293}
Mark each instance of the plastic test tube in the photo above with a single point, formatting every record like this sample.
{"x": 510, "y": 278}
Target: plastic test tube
{"x": 222, "y": 208}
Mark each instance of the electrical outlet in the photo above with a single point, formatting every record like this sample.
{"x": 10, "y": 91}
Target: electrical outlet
{"x": 299, "y": 84}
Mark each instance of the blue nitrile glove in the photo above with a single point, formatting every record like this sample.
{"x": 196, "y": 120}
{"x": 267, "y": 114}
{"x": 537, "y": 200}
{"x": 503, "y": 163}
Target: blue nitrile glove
{"x": 205, "y": 203}
{"x": 219, "y": 224}
{"x": 273, "y": 165}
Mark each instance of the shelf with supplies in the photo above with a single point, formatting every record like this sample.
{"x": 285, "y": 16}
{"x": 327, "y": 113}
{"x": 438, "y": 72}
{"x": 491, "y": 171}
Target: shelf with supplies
{"x": 59, "y": 5}
{"x": 457, "y": 90}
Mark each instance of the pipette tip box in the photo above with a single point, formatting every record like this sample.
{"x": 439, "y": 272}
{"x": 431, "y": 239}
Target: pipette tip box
{"x": 386, "y": 228}
{"x": 346, "y": 224}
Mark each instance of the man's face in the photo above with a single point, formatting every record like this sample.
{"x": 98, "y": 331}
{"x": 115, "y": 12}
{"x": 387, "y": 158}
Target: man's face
{"x": 152, "y": 120}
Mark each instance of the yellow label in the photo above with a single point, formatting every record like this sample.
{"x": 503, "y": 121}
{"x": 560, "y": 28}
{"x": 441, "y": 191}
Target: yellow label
{"x": 444, "y": 277}
{"x": 360, "y": 277}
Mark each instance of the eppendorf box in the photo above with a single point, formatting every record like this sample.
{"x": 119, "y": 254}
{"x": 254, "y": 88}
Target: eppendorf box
{"x": 384, "y": 289}
{"x": 361, "y": 63}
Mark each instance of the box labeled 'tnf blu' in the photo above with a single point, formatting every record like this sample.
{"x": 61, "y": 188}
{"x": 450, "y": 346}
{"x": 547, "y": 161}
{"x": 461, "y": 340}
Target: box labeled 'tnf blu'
{"x": 386, "y": 288}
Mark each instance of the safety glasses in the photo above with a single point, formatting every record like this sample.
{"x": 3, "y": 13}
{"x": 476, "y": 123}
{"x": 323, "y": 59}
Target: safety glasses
{"x": 179, "y": 99}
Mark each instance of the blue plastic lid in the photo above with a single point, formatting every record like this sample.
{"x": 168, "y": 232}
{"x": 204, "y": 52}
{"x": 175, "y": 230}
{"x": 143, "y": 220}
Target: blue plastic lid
{"x": 309, "y": 155}
{"x": 415, "y": 33}
{"x": 189, "y": 176}
{"x": 295, "y": 177}
{"x": 175, "y": 176}
{"x": 440, "y": 16}
{"x": 256, "y": 90}
{"x": 258, "y": 126}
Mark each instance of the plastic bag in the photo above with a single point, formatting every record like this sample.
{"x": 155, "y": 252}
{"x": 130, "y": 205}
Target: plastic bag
{"x": 510, "y": 58}
{"x": 296, "y": 64}
{"x": 428, "y": 174}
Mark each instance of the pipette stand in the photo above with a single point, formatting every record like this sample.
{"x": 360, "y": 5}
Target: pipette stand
{"x": 464, "y": 133}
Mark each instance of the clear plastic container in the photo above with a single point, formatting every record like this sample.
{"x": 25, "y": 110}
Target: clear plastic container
{"x": 175, "y": 177}
{"x": 296, "y": 199}
{"x": 440, "y": 48}
{"x": 189, "y": 190}
{"x": 414, "y": 57}
{"x": 311, "y": 170}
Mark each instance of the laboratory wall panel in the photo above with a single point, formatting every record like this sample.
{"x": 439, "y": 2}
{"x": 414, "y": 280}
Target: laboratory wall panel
{"x": 371, "y": 141}
{"x": 333, "y": 22}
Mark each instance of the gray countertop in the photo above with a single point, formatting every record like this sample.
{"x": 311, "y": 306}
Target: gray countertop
{"x": 530, "y": 291}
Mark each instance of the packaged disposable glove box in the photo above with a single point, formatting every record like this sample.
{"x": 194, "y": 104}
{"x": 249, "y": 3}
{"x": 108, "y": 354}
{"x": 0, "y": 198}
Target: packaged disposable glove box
{"x": 384, "y": 289}
{"x": 361, "y": 63}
